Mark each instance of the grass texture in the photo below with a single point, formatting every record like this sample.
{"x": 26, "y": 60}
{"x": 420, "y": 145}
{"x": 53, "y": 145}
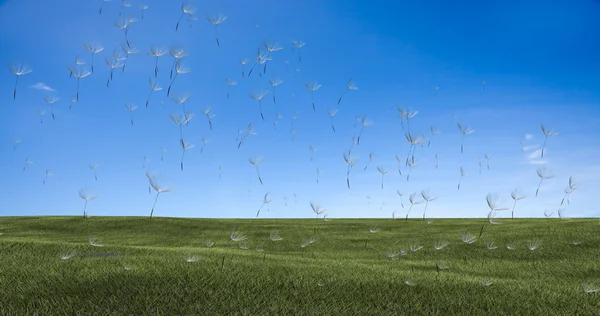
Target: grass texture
{"x": 163, "y": 266}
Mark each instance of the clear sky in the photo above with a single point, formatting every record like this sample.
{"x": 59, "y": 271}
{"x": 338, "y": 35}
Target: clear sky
{"x": 502, "y": 68}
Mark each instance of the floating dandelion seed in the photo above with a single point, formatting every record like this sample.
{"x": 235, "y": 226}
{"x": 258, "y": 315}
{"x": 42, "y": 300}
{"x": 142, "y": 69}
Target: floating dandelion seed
{"x": 85, "y": 195}
{"x": 180, "y": 69}
{"x": 113, "y": 63}
{"x": 216, "y": 21}
{"x": 413, "y": 200}
{"x": 312, "y": 152}
{"x": 102, "y": 6}
{"x": 542, "y": 173}
{"x": 364, "y": 122}
{"x": 159, "y": 189}
{"x": 401, "y": 195}
{"x": 79, "y": 72}
{"x": 130, "y": 108}
{"x": 230, "y": 83}
{"x": 185, "y": 147}
{"x": 317, "y": 209}
{"x": 48, "y": 175}
{"x": 28, "y": 162}
{"x": 177, "y": 54}
{"x": 487, "y": 158}
{"x": 18, "y": 70}
{"x": 94, "y": 167}
{"x": 411, "y": 164}
{"x": 312, "y": 87}
{"x": 271, "y": 48}
{"x": 256, "y": 162}
{"x": 154, "y": 86}
{"x": 186, "y": 8}
{"x": 437, "y": 159}
{"x": 406, "y": 115}
{"x": 204, "y": 142}
{"x": 274, "y": 84}
{"x": 465, "y": 131}
{"x": 547, "y": 133}
{"x": 265, "y": 201}
{"x": 492, "y": 202}
{"x": 261, "y": 58}
{"x": 427, "y": 197}
{"x": 249, "y": 131}
{"x": 16, "y": 142}
{"x": 146, "y": 160}
{"x": 350, "y": 161}
{"x": 434, "y": 131}
{"x": 485, "y": 283}
{"x": 258, "y": 97}
{"x": 568, "y": 190}
{"x": 383, "y": 171}
{"x": 68, "y": 255}
{"x": 150, "y": 175}
{"x": 156, "y": 52}
{"x": 93, "y": 241}
{"x": 413, "y": 141}
{"x": 516, "y": 195}
{"x": 41, "y": 113}
{"x": 349, "y": 86}
{"x": 462, "y": 174}
{"x": 128, "y": 50}
{"x": 371, "y": 158}
{"x": 51, "y": 101}
{"x": 244, "y": 62}
{"x": 298, "y": 45}
{"x": 332, "y": 113}
{"x": 209, "y": 116}
{"x": 589, "y": 288}
{"x": 94, "y": 49}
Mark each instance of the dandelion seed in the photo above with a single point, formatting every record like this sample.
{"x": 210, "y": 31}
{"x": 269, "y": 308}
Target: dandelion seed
{"x": 18, "y": 70}
{"x": 462, "y": 174}
{"x": 130, "y": 108}
{"x": 317, "y": 209}
{"x": 244, "y": 62}
{"x": 186, "y": 8}
{"x": 568, "y": 190}
{"x": 28, "y": 162}
{"x": 485, "y": 283}
{"x": 274, "y": 236}
{"x": 258, "y": 97}
{"x": 350, "y": 161}
{"x": 159, "y": 189}
{"x": 185, "y": 147}
{"x": 87, "y": 196}
{"x": 410, "y": 283}
{"x": 534, "y": 244}
{"x": 275, "y": 83}
{"x": 374, "y": 229}
{"x": 547, "y": 133}
{"x": 298, "y": 44}
{"x": 128, "y": 50}
{"x": 465, "y": 131}
{"x": 312, "y": 87}
{"x": 371, "y": 158}
{"x": 332, "y": 113}
{"x": 413, "y": 200}
{"x": 490, "y": 245}
{"x": 542, "y": 173}
{"x": 156, "y": 52}
{"x": 94, "y": 242}
{"x": 516, "y": 195}
{"x": 79, "y": 72}
{"x": 94, "y": 168}
{"x": 468, "y": 238}
{"x": 364, "y": 123}
{"x": 216, "y": 21}
{"x": 349, "y": 86}
{"x": 256, "y": 162}
{"x": 406, "y": 115}
{"x": 230, "y": 83}
{"x": 41, "y": 113}
{"x": 440, "y": 244}
{"x": 102, "y": 6}
{"x": 180, "y": 69}
{"x": 191, "y": 259}
{"x": 51, "y": 101}
{"x": 236, "y": 236}
{"x": 428, "y": 197}
{"x": 68, "y": 255}
{"x": 48, "y": 175}
{"x": 94, "y": 49}
{"x": 434, "y": 131}
{"x": 589, "y": 288}
{"x": 383, "y": 171}
{"x": 511, "y": 245}
{"x": 265, "y": 201}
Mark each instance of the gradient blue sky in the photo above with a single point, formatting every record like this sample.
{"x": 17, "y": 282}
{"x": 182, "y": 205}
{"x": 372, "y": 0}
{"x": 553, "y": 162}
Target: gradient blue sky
{"x": 539, "y": 61}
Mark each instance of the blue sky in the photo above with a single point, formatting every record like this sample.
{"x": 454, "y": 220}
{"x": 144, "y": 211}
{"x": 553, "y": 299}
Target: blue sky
{"x": 538, "y": 61}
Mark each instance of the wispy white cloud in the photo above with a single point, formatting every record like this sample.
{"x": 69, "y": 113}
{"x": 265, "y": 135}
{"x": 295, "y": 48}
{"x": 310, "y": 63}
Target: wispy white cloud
{"x": 41, "y": 86}
{"x": 535, "y": 155}
{"x": 531, "y": 147}
{"x": 528, "y": 136}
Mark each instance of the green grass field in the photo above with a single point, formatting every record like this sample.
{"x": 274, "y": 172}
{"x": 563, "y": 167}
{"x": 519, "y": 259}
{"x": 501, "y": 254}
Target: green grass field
{"x": 142, "y": 267}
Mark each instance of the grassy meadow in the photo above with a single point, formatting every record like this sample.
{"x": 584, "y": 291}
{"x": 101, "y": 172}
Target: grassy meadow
{"x": 164, "y": 266}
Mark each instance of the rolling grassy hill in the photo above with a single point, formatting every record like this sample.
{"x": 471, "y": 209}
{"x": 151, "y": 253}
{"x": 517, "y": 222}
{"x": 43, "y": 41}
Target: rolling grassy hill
{"x": 164, "y": 266}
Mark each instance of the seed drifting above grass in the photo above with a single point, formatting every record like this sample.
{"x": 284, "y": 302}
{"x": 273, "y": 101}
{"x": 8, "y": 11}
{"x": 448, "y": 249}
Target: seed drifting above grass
{"x": 542, "y": 173}
{"x": 568, "y": 190}
{"x": 87, "y": 196}
{"x": 547, "y": 133}
{"x": 462, "y": 174}
{"x": 413, "y": 199}
{"x": 383, "y": 171}
{"x": 265, "y": 201}
{"x": 159, "y": 189}
{"x": 256, "y": 162}
{"x": 516, "y": 195}
{"x": 428, "y": 197}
